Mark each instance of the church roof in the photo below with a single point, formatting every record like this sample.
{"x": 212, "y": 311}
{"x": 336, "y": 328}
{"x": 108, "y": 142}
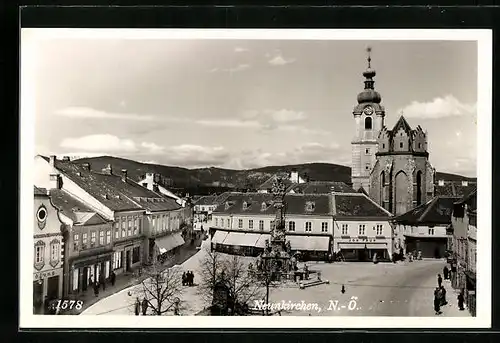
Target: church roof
{"x": 402, "y": 124}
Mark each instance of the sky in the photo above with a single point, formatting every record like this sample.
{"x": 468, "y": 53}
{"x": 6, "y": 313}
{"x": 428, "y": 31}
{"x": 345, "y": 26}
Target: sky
{"x": 248, "y": 103}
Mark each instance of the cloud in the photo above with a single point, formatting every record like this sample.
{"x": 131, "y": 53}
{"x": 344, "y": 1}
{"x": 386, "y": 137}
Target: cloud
{"x": 229, "y": 123}
{"x": 284, "y": 116}
{"x": 188, "y": 155}
{"x": 240, "y": 49}
{"x": 239, "y": 67}
{"x": 108, "y": 144}
{"x": 278, "y": 60}
{"x": 91, "y": 113}
{"x": 440, "y": 107}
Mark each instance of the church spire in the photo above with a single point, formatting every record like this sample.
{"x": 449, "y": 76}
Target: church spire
{"x": 369, "y": 73}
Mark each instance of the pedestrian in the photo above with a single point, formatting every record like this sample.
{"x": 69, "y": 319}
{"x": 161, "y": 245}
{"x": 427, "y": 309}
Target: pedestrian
{"x": 343, "y": 289}
{"x": 440, "y": 280}
{"x": 437, "y": 301}
{"x": 96, "y": 289}
{"x": 443, "y": 296}
{"x": 184, "y": 277}
{"x": 137, "y": 307}
{"x": 91, "y": 282}
{"x": 103, "y": 283}
{"x": 460, "y": 299}
{"x": 113, "y": 278}
{"x": 144, "y": 306}
{"x": 445, "y": 272}
{"x": 190, "y": 278}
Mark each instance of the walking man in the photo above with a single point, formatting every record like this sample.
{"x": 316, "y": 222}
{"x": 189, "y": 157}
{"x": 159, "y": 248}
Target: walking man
{"x": 440, "y": 280}
{"x": 437, "y": 307}
{"x": 460, "y": 299}
{"x": 445, "y": 272}
{"x": 113, "y": 278}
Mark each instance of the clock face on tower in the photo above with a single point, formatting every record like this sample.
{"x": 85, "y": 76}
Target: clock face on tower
{"x": 368, "y": 110}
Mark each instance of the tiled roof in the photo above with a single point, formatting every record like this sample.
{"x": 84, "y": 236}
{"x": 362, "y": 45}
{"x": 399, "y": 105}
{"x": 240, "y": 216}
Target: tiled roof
{"x": 296, "y": 204}
{"x": 114, "y": 193}
{"x": 357, "y": 205}
{"x": 436, "y": 211}
{"x": 206, "y": 200}
{"x": 471, "y": 201}
{"x": 70, "y": 206}
{"x": 321, "y": 187}
{"x": 269, "y": 183}
{"x": 454, "y": 188}
{"x": 402, "y": 124}
{"x": 40, "y": 191}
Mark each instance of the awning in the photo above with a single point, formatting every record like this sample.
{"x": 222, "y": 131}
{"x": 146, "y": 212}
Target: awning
{"x": 242, "y": 239}
{"x": 318, "y": 243}
{"x": 261, "y": 242}
{"x": 178, "y": 239}
{"x": 350, "y": 246}
{"x": 165, "y": 243}
{"x": 219, "y": 236}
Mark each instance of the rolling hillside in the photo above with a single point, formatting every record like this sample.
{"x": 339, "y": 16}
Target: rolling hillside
{"x": 209, "y": 180}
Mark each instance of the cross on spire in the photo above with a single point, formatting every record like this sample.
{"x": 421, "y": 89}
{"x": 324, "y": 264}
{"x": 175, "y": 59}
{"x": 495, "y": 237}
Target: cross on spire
{"x": 369, "y": 50}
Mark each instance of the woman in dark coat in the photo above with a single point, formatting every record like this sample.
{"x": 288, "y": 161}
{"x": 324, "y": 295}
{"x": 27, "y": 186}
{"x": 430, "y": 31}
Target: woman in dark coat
{"x": 445, "y": 272}
{"x": 113, "y": 278}
{"x": 144, "y": 306}
{"x": 460, "y": 299}
{"x": 437, "y": 301}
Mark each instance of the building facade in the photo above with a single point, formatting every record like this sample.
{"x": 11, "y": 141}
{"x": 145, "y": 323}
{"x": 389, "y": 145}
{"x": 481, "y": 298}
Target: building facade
{"x": 361, "y": 228}
{"x": 464, "y": 225}
{"x": 424, "y": 229}
{"x": 242, "y": 224}
{"x": 153, "y": 182}
{"x": 48, "y": 252}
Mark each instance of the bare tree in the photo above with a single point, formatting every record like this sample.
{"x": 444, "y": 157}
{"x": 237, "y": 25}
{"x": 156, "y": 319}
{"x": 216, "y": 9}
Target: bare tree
{"x": 241, "y": 281}
{"x": 161, "y": 289}
{"x": 211, "y": 268}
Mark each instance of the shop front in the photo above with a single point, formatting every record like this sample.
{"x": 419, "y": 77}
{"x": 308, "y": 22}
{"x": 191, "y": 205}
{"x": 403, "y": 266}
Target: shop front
{"x": 429, "y": 247}
{"x": 311, "y": 248}
{"x": 127, "y": 257}
{"x": 166, "y": 246}
{"x": 47, "y": 286}
{"x": 364, "y": 252}
{"x": 84, "y": 271}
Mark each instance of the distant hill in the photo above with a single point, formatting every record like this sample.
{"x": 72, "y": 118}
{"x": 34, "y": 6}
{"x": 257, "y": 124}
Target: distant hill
{"x": 216, "y": 180}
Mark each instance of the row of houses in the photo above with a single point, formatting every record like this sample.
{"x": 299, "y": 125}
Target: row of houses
{"x": 90, "y": 225}
{"x": 318, "y": 225}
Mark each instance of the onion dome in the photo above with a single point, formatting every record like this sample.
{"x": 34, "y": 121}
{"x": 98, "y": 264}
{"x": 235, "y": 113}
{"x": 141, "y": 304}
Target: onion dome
{"x": 369, "y": 94}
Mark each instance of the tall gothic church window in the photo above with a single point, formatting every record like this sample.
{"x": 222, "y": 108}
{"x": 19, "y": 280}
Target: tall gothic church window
{"x": 382, "y": 188}
{"x": 419, "y": 188}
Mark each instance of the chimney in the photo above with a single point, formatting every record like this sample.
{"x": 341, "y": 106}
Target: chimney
{"x": 441, "y": 182}
{"x": 156, "y": 178}
{"x": 294, "y": 176}
{"x": 108, "y": 170}
{"x": 52, "y": 160}
{"x": 86, "y": 166}
{"x": 66, "y": 159}
{"x": 124, "y": 175}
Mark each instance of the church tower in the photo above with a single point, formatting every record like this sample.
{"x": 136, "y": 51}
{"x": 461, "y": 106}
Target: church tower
{"x": 402, "y": 177}
{"x": 369, "y": 120}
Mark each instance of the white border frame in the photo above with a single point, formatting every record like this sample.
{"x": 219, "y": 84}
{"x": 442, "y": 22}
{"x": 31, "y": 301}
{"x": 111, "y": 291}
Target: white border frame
{"x": 29, "y": 38}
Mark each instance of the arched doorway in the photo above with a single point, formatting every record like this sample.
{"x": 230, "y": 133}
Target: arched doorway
{"x": 419, "y": 187}
{"x": 368, "y": 123}
{"x": 401, "y": 195}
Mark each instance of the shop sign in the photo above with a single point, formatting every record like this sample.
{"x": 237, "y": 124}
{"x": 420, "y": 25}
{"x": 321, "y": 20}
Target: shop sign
{"x": 44, "y": 275}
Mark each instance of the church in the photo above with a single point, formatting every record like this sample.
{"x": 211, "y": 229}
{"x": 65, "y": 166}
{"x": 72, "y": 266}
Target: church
{"x": 391, "y": 166}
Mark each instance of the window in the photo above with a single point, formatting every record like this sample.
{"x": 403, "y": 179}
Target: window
{"x": 136, "y": 225}
{"x": 310, "y": 206}
{"x": 124, "y": 228}
{"x": 240, "y": 223}
{"x": 263, "y": 207}
{"x": 324, "y": 227}
{"x": 291, "y": 226}
{"x": 228, "y": 222}
{"x": 222, "y": 222}
{"x": 108, "y": 237}
{"x": 367, "y": 151}
{"x": 117, "y": 233}
{"x": 345, "y": 229}
{"x": 380, "y": 229}
{"x": 136, "y": 254}
{"x": 368, "y": 123}
{"x": 76, "y": 238}
{"x": 250, "y": 224}
{"x": 55, "y": 252}
{"x": 401, "y": 145}
{"x": 245, "y": 205}
{"x": 271, "y": 225}
{"x": 431, "y": 231}
{"x": 216, "y": 221}
{"x": 383, "y": 146}
{"x": 367, "y": 167}
{"x": 130, "y": 226}
{"x": 92, "y": 238}
{"x": 139, "y": 224}
{"x": 308, "y": 226}
{"x": 84, "y": 239}
{"x": 261, "y": 225}
{"x": 419, "y": 145}
{"x": 362, "y": 230}
{"x": 117, "y": 260}
{"x": 39, "y": 254}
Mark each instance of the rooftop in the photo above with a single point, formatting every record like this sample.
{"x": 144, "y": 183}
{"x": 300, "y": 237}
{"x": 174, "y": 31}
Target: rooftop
{"x": 40, "y": 191}
{"x": 113, "y": 192}
{"x": 357, "y": 205}
{"x": 321, "y": 187}
{"x": 436, "y": 211}
{"x": 73, "y": 208}
{"x": 454, "y": 188}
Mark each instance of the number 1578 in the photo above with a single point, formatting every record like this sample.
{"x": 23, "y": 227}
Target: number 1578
{"x": 69, "y": 304}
